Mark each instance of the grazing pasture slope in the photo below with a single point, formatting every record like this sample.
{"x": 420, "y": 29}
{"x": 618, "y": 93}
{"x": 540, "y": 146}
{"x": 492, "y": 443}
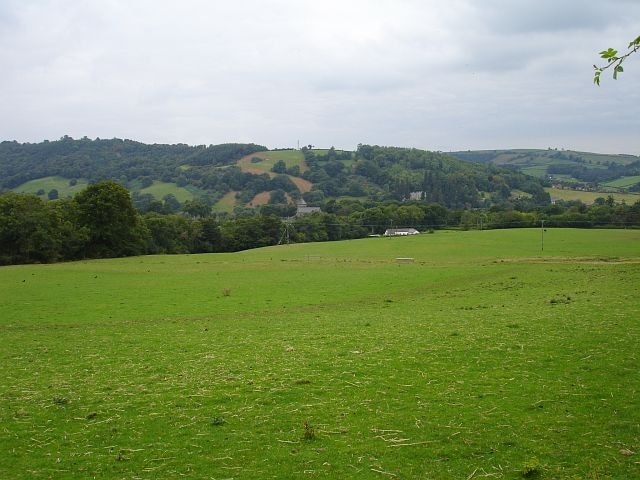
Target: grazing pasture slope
{"x": 485, "y": 357}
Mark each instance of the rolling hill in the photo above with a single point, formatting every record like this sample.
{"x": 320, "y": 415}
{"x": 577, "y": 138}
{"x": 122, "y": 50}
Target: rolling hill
{"x": 179, "y": 173}
{"x": 607, "y": 172}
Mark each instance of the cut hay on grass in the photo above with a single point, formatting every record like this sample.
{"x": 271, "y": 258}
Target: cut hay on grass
{"x": 483, "y": 358}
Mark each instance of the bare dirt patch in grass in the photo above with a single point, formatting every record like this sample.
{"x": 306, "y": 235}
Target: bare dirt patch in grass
{"x": 260, "y": 199}
{"x": 247, "y": 166}
{"x": 303, "y": 185}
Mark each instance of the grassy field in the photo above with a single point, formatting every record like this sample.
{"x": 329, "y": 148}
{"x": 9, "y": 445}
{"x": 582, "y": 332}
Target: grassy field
{"x": 590, "y": 197}
{"x": 322, "y": 152}
{"x": 624, "y": 182}
{"x": 532, "y": 157}
{"x": 484, "y": 357}
{"x": 49, "y": 183}
{"x": 535, "y": 171}
{"x": 161, "y": 189}
{"x": 226, "y": 203}
{"x": 269, "y": 159}
{"x": 536, "y": 162}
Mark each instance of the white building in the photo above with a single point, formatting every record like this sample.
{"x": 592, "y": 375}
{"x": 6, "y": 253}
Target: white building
{"x": 396, "y": 232}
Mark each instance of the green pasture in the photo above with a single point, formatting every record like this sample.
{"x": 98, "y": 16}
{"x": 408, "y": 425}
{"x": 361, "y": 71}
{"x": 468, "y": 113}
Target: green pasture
{"x": 590, "y": 197}
{"x": 602, "y": 158}
{"x": 269, "y": 159}
{"x": 290, "y": 157}
{"x": 624, "y": 182}
{"x": 49, "y": 183}
{"x": 226, "y": 203}
{"x": 322, "y": 152}
{"x": 547, "y": 157}
{"x": 450, "y": 355}
{"x": 161, "y": 189}
{"x": 535, "y": 171}
{"x": 536, "y": 162}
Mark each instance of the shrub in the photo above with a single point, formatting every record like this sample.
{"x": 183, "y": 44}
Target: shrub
{"x": 531, "y": 468}
{"x": 309, "y": 431}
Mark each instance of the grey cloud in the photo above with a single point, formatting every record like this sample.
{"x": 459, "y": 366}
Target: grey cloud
{"x": 432, "y": 74}
{"x": 505, "y": 16}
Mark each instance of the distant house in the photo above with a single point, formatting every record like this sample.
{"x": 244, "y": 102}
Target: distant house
{"x": 400, "y": 232}
{"x": 304, "y": 209}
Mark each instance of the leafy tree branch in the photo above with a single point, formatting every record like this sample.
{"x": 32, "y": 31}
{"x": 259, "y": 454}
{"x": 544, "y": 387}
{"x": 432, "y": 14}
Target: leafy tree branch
{"x": 614, "y": 60}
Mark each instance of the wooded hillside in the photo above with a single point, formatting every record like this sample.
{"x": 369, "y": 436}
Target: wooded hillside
{"x": 210, "y": 172}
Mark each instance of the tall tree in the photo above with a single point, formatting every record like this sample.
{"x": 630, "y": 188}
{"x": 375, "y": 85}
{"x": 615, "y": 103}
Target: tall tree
{"x": 27, "y": 231}
{"x": 115, "y": 228}
{"x": 71, "y": 237}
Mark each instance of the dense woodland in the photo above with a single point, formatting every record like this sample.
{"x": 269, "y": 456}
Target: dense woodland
{"x": 122, "y": 160}
{"x": 389, "y": 173}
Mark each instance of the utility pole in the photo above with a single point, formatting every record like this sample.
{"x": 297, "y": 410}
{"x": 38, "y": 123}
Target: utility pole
{"x": 542, "y": 235}
{"x": 285, "y": 234}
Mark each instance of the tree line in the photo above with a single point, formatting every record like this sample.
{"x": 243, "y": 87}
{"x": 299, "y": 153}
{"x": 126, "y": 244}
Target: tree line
{"x": 102, "y": 222}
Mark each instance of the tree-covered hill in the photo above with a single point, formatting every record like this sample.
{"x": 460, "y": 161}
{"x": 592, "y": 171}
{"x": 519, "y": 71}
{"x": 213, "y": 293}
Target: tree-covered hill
{"x": 401, "y": 173}
{"x": 209, "y": 173}
{"x": 116, "y": 159}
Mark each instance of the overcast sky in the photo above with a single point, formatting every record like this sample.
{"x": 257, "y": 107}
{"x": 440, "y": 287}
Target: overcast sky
{"x": 433, "y": 74}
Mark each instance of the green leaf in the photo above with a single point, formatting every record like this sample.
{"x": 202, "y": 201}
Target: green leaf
{"x": 610, "y": 53}
{"x": 618, "y": 68}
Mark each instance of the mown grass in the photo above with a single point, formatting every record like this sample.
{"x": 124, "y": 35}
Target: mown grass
{"x": 484, "y": 357}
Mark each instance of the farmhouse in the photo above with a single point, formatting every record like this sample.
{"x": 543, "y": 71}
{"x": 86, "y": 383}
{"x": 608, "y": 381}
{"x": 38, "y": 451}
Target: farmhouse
{"x": 395, "y": 232}
{"x": 303, "y": 209}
